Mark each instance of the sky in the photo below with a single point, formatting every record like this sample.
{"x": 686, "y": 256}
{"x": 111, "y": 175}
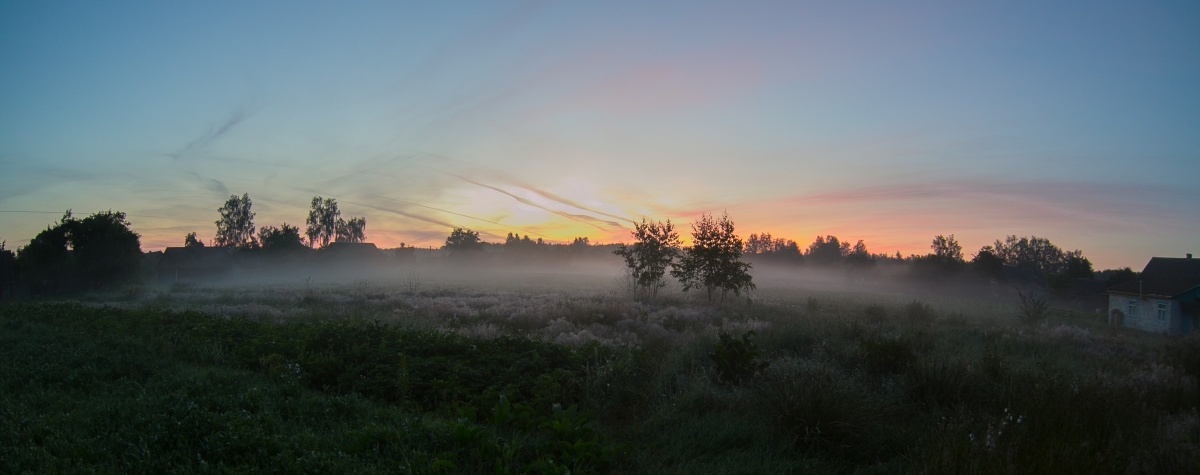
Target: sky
{"x": 889, "y": 122}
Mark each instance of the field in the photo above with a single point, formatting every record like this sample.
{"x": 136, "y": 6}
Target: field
{"x": 543, "y": 372}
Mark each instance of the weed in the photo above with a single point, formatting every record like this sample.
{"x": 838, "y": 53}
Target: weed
{"x": 1033, "y": 308}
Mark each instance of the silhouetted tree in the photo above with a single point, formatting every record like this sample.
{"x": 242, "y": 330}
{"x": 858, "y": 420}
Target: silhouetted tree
{"x": 654, "y": 248}
{"x": 42, "y": 264}
{"x": 1113, "y": 277}
{"x": 322, "y": 221}
{"x": 236, "y": 226}
{"x": 945, "y": 259}
{"x": 191, "y": 240}
{"x": 714, "y": 260}
{"x": 1032, "y": 253}
{"x": 96, "y": 251}
{"x": 827, "y": 250}
{"x": 1077, "y": 266}
{"x": 353, "y": 230}
{"x": 283, "y": 238}
{"x": 987, "y": 263}
{"x": 106, "y": 250}
{"x": 769, "y": 247}
{"x": 8, "y": 270}
{"x": 760, "y": 244}
{"x": 947, "y": 249}
{"x": 462, "y": 239}
{"x": 859, "y": 255}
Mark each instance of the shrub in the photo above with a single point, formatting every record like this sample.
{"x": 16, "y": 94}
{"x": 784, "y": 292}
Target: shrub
{"x": 1033, "y": 308}
{"x": 737, "y": 360}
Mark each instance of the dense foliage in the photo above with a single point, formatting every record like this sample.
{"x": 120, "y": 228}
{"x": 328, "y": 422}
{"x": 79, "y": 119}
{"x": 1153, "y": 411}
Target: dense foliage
{"x": 81, "y": 254}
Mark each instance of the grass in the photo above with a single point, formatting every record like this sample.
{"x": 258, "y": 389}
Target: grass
{"x": 455, "y": 379}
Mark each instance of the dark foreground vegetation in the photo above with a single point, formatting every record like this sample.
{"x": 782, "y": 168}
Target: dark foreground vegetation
{"x": 449, "y": 381}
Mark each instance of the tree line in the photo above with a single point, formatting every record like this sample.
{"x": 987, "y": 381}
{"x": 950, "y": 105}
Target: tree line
{"x": 101, "y": 249}
{"x": 235, "y": 228}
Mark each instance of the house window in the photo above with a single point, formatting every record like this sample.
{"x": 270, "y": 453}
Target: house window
{"x": 1161, "y": 312}
{"x": 1132, "y": 311}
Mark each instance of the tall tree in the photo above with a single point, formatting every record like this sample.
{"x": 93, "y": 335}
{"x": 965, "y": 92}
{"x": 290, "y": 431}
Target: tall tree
{"x": 353, "y": 230}
{"x": 236, "y": 226}
{"x": 946, "y": 248}
{"x": 322, "y": 221}
{"x": 654, "y": 249}
{"x": 714, "y": 260}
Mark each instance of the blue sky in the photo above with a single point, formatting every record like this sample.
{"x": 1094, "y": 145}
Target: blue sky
{"x": 888, "y": 122}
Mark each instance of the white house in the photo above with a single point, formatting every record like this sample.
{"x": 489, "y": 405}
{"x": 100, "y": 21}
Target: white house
{"x": 1165, "y": 298}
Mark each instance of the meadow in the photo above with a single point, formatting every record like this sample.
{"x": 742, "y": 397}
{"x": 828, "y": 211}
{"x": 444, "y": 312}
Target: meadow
{"x": 530, "y": 371}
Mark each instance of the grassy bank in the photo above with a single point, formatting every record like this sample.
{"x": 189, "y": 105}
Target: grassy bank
{"x": 366, "y": 379}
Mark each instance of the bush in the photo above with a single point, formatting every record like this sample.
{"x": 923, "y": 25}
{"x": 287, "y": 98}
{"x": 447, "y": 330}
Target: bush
{"x": 1033, "y": 309}
{"x": 737, "y": 360}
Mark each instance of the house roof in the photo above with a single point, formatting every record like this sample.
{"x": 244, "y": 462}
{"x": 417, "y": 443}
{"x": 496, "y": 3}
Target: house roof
{"x": 1165, "y": 276}
{"x": 197, "y": 257}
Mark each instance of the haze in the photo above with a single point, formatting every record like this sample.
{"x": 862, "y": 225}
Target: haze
{"x": 884, "y": 122}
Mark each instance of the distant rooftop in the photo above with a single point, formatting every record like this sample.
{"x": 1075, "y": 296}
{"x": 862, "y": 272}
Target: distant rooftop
{"x": 1163, "y": 276}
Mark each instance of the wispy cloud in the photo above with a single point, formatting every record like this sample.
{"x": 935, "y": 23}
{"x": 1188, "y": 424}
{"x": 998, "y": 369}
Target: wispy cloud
{"x": 214, "y": 132}
{"x": 212, "y": 184}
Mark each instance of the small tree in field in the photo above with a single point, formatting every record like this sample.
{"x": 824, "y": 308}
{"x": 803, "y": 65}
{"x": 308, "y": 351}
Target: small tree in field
{"x": 655, "y": 246}
{"x": 714, "y": 261}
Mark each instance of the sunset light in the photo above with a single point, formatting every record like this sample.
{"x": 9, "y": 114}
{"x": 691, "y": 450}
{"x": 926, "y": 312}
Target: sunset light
{"x": 890, "y": 124}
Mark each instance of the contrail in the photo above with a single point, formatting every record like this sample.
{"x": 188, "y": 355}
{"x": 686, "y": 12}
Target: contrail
{"x": 573, "y": 217}
{"x": 542, "y": 193}
{"x": 213, "y": 133}
{"x": 447, "y": 212}
{"x": 572, "y": 203}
